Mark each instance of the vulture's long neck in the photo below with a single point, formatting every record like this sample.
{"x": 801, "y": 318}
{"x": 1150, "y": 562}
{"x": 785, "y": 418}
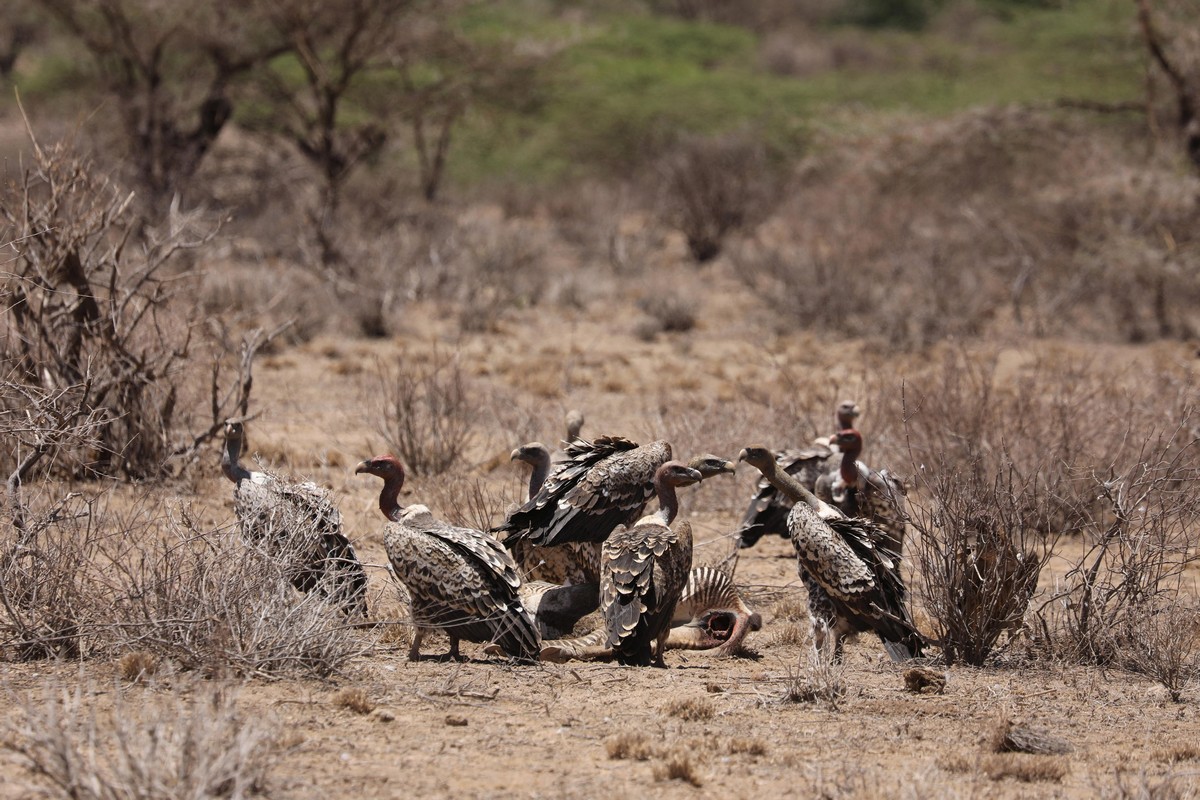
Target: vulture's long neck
{"x": 389, "y": 502}
{"x": 541, "y": 468}
{"x": 668, "y": 501}
{"x": 849, "y": 467}
{"x": 229, "y": 460}
{"x": 793, "y": 489}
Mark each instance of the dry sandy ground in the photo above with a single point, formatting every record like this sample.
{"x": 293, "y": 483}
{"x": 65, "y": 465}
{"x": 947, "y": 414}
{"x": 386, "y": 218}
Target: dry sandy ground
{"x": 485, "y": 729}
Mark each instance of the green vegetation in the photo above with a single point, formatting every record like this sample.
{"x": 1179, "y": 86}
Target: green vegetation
{"x": 622, "y": 84}
{"x": 619, "y": 83}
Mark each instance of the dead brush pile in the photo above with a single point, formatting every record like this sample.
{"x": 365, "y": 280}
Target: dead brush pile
{"x": 100, "y": 581}
{"x": 1008, "y": 462}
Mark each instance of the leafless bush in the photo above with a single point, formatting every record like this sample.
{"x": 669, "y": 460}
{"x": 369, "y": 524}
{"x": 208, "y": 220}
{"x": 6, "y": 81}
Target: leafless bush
{"x": 48, "y": 601}
{"x": 91, "y": 300}
{"x": 668, "y": 309}
{"x": 152, "y": 747}
{"x": 425, "y": 412}
{"x": 950, "y": 230}
{"x": 466, "y": 501}
{"x": 1121, "y": 601}
{"x": 210, "y": 603}
{"x": 1165, "y": 645}
{"x": 979, "y": 559}
{"x": 714, "y": 186}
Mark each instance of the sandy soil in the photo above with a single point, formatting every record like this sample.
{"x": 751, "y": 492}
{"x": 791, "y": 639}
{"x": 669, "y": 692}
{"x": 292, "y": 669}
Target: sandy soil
{"x": 485, "y": 729}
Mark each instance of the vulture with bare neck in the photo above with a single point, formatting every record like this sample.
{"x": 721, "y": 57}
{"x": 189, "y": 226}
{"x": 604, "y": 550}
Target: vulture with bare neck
{"x": 768, "y": 510}
{"x": 853, "y": 580}
{"x": 859, "y": 491}
{"x": 644, "y": 572}
{"x": 299, "y": 522}
{"x": 461, "y": 581}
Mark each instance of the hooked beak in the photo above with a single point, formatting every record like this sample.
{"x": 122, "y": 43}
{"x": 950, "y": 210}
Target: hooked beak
{"x": 363, "y": 466}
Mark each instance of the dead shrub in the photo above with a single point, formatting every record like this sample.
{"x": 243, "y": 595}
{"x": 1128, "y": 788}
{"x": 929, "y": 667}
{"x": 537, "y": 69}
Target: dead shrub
{"x": 979, "y": 562}
{"x": 467, "y": 501}
{"x": 95, "y": 299}
{"x": 208, "y": 602}
{"x": 629, "y": 745}
{"x": 48, "y": 597}
{"x": 951, "y": 229}
{"x": 155, "y": 747}
{"x": 671, "y": 311}
{"x": 424, "y": 411}
{"x": 353, "y": 699}
{"x": 690, "y": 709}
{"x": 713, "y": 186}
{"x": 676, "y": 765}
{"x": 1121, "y": 601}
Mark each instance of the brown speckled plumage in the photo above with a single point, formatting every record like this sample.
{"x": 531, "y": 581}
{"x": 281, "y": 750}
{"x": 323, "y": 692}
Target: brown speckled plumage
{"x": 298, "y": 521}
{"x": 644, "y": 571}
{"x": 859, "y": 491}
{"x": 854, "y": 582}
{"x": 767, "y": 513}
{"x": 572, "y": 563}
{"x": 459, "y": 580}
{"x": 600, "y": 485}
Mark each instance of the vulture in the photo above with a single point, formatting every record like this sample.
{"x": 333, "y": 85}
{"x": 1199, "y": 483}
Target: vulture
{"x": 598, "y": 486}
{"x": 859, "y": 491}
{"x": 298, "y": 521}
{"x": 853, "y": 580}
{"x": 460, "y": 580}
{"x": 644, "y": 571}
{"x": 575, "y": 562}
{"x": 768, "y": 510}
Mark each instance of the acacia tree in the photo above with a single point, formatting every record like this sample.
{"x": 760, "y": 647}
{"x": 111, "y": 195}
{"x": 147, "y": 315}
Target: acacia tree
{"x": 319, "y": 95}
{"x": 170, "y": 66}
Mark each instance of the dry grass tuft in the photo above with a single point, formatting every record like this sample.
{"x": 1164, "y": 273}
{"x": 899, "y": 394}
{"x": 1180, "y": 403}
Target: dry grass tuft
{"x": 692, "y": 709}
{"x": 354, "y": 699}
{"x": 629, "y": 745}
{"x": 791, "y": 635}
{"x": 922, "y": 680}
{"x": 820, "y": 679}
{"x": 1140, "y": 786}
{"x": 676, "y": 765}
{"x": 1024, "y": 767}
{"x": 1178, "y": 754}
{"x": 791, "y": 608}
{"x": 199, "y": 746}
{"x": 137, "y": 666}
{"x": 751, "y": 746}
{"x": 1009, "y": 737}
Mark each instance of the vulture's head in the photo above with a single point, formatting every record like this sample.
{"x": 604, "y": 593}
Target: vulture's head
{"x": 387, "y": 467}
{"x": 709, "y": 465}
{"x": 533, "y": 453}
{"x": 758, "y": 456}
{"x": 849, "y": 441}
{"x": 574, "y": 422}
{"x": 234, "y": 430}
{"x": 847, "y": 412}
{"x": 676, "y": 473}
